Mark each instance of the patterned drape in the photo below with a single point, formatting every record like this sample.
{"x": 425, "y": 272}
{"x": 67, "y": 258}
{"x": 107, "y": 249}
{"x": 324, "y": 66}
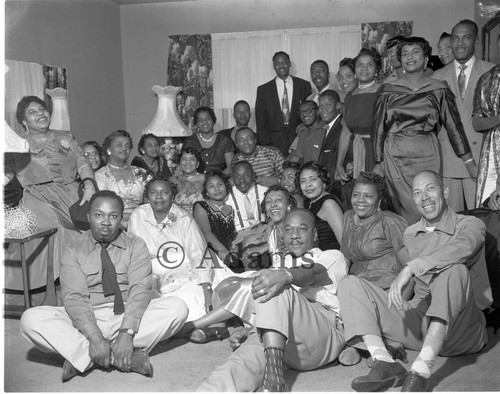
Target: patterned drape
{"x": 190, "y": 67}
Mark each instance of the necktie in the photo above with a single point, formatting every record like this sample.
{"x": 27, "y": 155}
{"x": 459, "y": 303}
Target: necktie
{"x": 109, "y": 282}
{"x": 461, "y": 81}
{"x": 249, "y": 209}
{"x": 285, "y": 109}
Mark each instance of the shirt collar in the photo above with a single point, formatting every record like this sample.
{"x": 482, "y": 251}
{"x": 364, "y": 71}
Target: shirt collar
{"x": 322, "y": 90}
{"x": 250, "y": 191}
{"x": 150, "y": 217}
{"x": 333, "y": 121}
{"x": 469, "y": 64}
{"x": 446, "y": 225}
{"x": 254, "y": 153}
{"x": 288, "y": 80}
{"x": 119, "y": 241}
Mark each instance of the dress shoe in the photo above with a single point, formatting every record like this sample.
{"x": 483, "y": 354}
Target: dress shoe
{"x": 69, "y": 372}
{"x": 415, "y": 382}
{"x": 205, "y": 335}
{"x": 382, "y": 376}
{"x": 493, "y": 319}
{"x": 140, "y": 363}
{"x": 396, "y": 352}
{"x": 349, "y": 356}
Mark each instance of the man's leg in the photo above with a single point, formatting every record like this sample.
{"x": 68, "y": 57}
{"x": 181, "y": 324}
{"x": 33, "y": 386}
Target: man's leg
{"x": 50, "y": 329}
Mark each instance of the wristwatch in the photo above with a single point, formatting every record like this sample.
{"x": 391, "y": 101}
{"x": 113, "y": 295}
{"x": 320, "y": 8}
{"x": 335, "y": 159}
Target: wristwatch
{"x": 129, "y": 331}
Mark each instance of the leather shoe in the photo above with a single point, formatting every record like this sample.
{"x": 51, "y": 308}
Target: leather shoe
{"x": 415, "y": 382}
{"x": 382, "y": 376}
{"x": 205, "y": 335}
{"x": 140, "y": 363}
{"x": 69, "y": 371}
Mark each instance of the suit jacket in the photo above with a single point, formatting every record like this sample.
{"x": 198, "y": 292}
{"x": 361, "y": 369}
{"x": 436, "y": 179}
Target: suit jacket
{"x": 453, "y": 166}
{"x": 271, "y": 129}
{"x": 330, "y": 148}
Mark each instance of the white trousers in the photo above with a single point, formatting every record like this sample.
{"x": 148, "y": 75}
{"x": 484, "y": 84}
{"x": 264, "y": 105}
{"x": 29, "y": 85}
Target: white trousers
{"x": 50, "y": 328}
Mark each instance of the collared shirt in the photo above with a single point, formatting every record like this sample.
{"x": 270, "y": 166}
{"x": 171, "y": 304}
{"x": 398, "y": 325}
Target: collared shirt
{"x": 280, "y": 85}
{"x": 467, "y": 71}
{"x": 265, "y": 160}
{"x": 176, "y": 245}
{"x": 310, "y": 141}
{"x": 456, "y": 239}
{"x": 81, "y": 280}
{"x": 322, "y": 291}
{"x": 314, "y": 96}
{"x": 329, "y": 126}
{"x": 239, "y": 205}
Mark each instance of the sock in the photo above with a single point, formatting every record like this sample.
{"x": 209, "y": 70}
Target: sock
{"x": 273, "y": 379}
{"x": 377, "y": 348}
{"x": 425, "y": 359}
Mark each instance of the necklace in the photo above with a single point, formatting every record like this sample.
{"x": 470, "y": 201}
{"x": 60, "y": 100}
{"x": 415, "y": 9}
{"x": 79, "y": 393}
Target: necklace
{"x": 216, "y": 206}
{"x": 117, "y": 167}
{"x": 150, "y": 166}
{"x": 205, "y": 139}
{"x": 190, "y": 176}
{"x": 361, "y": 86}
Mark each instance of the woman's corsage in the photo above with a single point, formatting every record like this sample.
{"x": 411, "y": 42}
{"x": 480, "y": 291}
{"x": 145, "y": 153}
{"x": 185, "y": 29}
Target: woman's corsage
{"x": 142, "y": 175}
{"x": 64, "y": 143}
{"x": 171, "y": 219}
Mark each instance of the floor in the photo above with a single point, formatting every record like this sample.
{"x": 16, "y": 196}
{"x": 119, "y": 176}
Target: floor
{"x": 182, "y": 366}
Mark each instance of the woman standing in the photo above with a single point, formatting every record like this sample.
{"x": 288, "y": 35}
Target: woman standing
{"x": 346, "y": 77}
{"x": 216, "y": 150}
{"x": 150, "y": 159}
{"x": 358, "y": 114}
{"x": 48, "y": 174}
{"x": 408, "y": 114}
{"x": 326, "y": 208}
{"x": 117, "y": 175}
{"x": 189, "y": 182}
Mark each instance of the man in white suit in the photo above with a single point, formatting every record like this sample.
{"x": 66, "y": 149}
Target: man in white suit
{"x": 462, "y": 75}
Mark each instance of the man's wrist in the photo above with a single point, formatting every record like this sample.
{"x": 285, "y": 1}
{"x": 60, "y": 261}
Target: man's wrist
{"x": 128, "y": 331}
{"x": 289, "y": 276}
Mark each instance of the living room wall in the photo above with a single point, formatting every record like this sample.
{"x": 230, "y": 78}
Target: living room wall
{"x": 146, "y": 27}
{"x": 84, "y": 37}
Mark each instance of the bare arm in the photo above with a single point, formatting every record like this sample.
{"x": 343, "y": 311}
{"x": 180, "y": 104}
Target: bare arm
{"x": 345, "y": 137}
{"x": 201, "y": 217}
{"x": 228, "y": 156}
{"x": 332, "y": 213}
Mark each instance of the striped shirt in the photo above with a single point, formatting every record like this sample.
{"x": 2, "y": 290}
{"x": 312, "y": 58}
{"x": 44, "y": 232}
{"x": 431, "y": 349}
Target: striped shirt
{"x": 265, "y": 160}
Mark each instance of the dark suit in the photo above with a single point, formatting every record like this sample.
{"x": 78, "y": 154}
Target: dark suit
{"x": 271, "y": 129}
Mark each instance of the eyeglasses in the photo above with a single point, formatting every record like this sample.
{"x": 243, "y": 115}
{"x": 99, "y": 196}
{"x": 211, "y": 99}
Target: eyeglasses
{"x": 91, "y": 154}
{"x": 307, "y": 111}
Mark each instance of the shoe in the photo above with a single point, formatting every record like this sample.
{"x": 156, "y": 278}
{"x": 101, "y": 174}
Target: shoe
{"x": 349, "y": 356}
{"x": 397, "y": 353}
{"x": 69, "y": 371}
{"x": 415, "y": 382}
{"x": 382, "y": 376}
{"x": 205, "y": 335}
{"x": 140, "y": 363}
{"x": 493, "y": 320}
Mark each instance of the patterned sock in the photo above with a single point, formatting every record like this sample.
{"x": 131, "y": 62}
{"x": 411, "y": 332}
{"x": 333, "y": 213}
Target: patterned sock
{"x": 377, "y": 348}
{"x": 425, "y": 359}
{"x": 273, "y": 374}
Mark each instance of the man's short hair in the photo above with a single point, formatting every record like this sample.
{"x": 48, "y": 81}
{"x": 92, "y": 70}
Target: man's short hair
{"x": 308, "y": 213}
{"x": 309, "y": 102}
{"x": 106, "y": 194}
{"x": 444, "y": 35}
{"x": 438, "y": 177}
{"x": 281, "y": 53}
{"x": 470, "y": 23}
{"x": 330, "y": 93}
{"x": 243, "y": 163}
{"x": 392, "y": 42}
{"x": 241, "y": 129}
{"x": 240, "y": 102}
{"x": 319, "y": 61}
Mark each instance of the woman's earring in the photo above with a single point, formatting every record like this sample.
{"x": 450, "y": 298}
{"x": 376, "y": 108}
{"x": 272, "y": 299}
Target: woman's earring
{"x": 109, "y": 152}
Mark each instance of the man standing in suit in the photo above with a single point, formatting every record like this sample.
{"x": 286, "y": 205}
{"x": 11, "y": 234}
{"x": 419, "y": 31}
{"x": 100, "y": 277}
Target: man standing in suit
{"x": 462, "y": 75}
{"x": 320, "y": 76}
{"x": 277, "y": 105}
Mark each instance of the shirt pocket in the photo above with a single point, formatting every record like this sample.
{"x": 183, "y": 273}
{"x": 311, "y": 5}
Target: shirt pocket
{"x": 93, "y": 274}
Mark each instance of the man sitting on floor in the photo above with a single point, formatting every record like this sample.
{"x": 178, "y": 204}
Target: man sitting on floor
{"x": 442, "y": 317}
{"x": 296, "y": 312}
{"x": 108, "y": 316}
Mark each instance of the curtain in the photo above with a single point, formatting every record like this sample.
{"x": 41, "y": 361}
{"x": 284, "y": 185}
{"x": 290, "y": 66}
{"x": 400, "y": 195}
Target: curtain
{"x": 190, "y": 67}
{"x": 22, "y": 79}
{"x": 243, "y": 61}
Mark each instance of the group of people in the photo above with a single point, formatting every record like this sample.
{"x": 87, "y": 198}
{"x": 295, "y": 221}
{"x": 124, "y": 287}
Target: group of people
{"x": 284, "y": 231}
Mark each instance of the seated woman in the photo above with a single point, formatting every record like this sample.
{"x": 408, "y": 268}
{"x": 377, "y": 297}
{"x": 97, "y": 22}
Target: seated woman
{"x": 150, "y": 158}
{"x": 287, "y": 180}
{"x": 189, "y": 182}
{"x": 48, "y": 173}
{"x": 314, "y": 182}
{"x": 217, "y": 151}
{"x": 177, "y": 248}
{"x": 125, "y": 180}
{"x": 214, "y": 216}
{"x": 231, "y": 296}
{"x": 93, "y": 152}
{"x": 373, "y": 243}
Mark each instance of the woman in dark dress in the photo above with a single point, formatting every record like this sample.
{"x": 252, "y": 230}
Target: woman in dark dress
{"x": 408, "y": 114}
{"x": 326, "y": 208}
{"x": 216, "y": 149}
{"x": 358, "y": 114}
{"x": 150, "y": 159}
{"x": 214, "y": 216}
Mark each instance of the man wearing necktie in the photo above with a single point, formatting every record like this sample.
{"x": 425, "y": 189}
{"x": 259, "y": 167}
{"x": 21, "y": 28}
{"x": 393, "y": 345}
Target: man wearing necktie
{"x": 277, "y": 105}
{"x": 108, "y": 318}
{"x": 462, "y": 75}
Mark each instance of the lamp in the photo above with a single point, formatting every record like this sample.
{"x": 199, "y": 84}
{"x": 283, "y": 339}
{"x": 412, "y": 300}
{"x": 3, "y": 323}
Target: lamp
{"x": 167, "y": 122}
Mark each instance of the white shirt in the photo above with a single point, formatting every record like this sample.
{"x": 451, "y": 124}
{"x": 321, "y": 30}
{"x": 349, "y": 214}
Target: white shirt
{"x": 467, "y": 71}
{"x": 240, "y": 205}
{"x": 280, "y": 85}
{"x": 330, "y": 125}
{"x": 314, "y": 96}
